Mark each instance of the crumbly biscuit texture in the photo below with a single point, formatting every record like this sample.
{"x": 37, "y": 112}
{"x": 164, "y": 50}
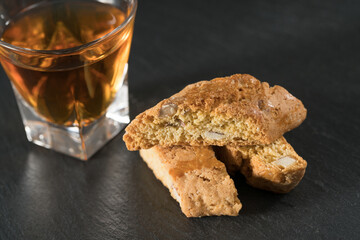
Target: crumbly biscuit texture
{"x": 195, "y": 178}
{"x": 275, "y": 167}
{"x": 235, "y": 110}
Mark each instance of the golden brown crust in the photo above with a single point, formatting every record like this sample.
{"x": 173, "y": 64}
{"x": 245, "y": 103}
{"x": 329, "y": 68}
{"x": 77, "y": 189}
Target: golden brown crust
{"x": 275, "y": 167}
{"x": 259, "y": 113}
{"x": 183, "y": 159}
{"x": 195, "y": 178}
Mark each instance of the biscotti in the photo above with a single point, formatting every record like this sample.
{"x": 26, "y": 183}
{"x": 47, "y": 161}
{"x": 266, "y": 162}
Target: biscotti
{"x": 230, "y": 111}
{"x": 275, "y": 167}
{"x": 195, "y": 178}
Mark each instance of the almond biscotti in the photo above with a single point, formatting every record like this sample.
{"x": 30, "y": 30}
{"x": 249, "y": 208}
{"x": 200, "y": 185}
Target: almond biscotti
{"x": 235, "y": 110}
{"x": 195, "y": 178}
{"x": 275, "y": 167}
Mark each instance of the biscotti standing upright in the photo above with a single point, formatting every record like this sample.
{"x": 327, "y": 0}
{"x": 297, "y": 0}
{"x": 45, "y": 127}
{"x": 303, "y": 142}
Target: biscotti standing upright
{"x": 274, "y": 167}
{"x": 235, "y": 110}
{"x": 195, "y": 178}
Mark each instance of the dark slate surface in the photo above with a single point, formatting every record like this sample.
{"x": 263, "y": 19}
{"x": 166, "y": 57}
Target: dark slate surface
{"x": 310, "y": 47}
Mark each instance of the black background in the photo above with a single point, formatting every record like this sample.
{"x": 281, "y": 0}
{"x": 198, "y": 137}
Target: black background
{"x": 312, "y": 48}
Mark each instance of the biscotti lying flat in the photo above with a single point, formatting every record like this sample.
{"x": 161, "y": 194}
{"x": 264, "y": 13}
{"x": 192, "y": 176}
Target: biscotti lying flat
{"x": 230, "y": 111}
{"x": 275, "y": 167}
{"x": 238, "y": 116}
{"x": 195, "y": 178}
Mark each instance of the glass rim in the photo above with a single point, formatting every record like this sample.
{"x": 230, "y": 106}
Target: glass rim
{"x": 77, "y": 48}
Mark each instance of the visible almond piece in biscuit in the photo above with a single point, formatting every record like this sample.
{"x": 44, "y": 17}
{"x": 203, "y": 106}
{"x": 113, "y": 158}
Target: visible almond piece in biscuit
{"x": 275, "y": 167}
{"x": 195, "y": 178}
{"x": 235, "y": 110}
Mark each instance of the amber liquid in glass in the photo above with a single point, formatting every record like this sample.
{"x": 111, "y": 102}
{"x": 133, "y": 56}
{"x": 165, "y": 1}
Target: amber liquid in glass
{"x": 71, "y": 96}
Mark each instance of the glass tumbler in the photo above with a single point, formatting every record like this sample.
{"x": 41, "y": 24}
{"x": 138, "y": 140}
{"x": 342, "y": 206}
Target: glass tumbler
{"x": 67, "y": 62}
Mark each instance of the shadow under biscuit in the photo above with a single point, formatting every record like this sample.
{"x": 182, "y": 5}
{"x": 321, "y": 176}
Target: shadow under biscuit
{"x": 254, "y": 201}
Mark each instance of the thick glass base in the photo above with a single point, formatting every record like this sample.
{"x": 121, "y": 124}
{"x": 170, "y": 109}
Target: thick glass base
{"x": 78, "y": 142}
